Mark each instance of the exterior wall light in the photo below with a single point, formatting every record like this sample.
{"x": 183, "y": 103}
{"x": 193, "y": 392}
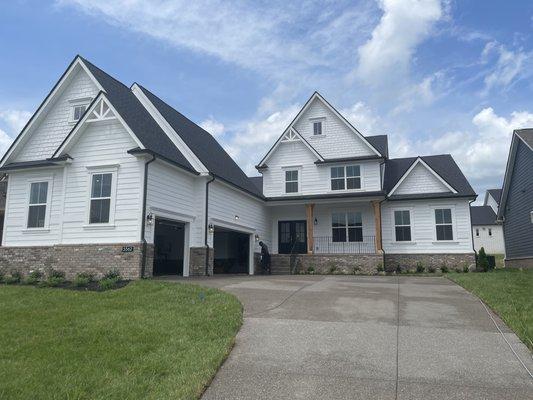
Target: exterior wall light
{"x": 316, "y": 221}
{"x": 211, "y": 228}
{"x": 236, "y": 217}
{"x": 150, "y": 219}
{"x": 256, "y": 237}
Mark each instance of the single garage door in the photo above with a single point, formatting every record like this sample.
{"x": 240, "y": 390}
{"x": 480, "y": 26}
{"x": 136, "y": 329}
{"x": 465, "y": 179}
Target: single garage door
{"x": 168, "y": 247}
{"x": 231, "y": 251}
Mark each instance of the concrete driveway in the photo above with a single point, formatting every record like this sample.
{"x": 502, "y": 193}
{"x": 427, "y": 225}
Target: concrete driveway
{"x": 353, "y": 337}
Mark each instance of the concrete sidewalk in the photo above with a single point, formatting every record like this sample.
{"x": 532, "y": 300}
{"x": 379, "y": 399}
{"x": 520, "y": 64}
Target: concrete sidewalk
{"x": 354, "y": 337}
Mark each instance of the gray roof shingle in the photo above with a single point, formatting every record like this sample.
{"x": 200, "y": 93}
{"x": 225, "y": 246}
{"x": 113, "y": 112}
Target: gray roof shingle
{"x": 526, "y": 135}
{"x": 483, "y": 215}
{"x": 496, "y": 194}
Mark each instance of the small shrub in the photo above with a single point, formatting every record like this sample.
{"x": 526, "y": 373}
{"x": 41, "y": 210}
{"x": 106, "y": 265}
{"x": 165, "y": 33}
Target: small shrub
{"x": 2, "y": 275}
{"x": 311, "y": 270}
{"x": 56, "y": 274}
{"x": 432, "y": 270}
{"x": 482, "y": 260}
{"x": 333, "y": 269}
{"x": 82, "y": 280}
{"x": 420, "y": 267}
{"x": 458, "y": 270}
{"x": 113, "y": 273}
{"x": 355, "y": 270}
{"x": 444, "y": 269}
{"x": 380, "y": 268}
{"x": 466, "y": 269}
{"x": 107, "y": 283}
{"x": 13, "y": 278}
{"x": 52, "y": 281}
{"x": 34, "y": 277}
{"x": 398, "y": 269}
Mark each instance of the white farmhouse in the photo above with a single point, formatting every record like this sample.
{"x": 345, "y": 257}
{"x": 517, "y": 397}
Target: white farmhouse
{"x": 109, "y": 176}
{"x": 487, "y": 232}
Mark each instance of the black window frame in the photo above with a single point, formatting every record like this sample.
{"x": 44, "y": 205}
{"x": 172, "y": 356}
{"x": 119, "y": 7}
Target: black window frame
{"x": 402, "y": 228}
{"x": 37, "y": 208}
{"x": 292, "y": 182}
{"x": 443, "y": 226}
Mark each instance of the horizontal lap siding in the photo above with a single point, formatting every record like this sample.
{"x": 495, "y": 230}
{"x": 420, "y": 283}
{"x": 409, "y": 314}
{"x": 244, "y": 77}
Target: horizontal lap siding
{"x": 423, "y": 227}
{"x": 103, "y": 144}
{"x": 16, "y": 212}
{"x": 518, "y": 228}
{"x": 174, "y": 191}
{"x": 55, "y": 124}
{"x": 226, "y": 202}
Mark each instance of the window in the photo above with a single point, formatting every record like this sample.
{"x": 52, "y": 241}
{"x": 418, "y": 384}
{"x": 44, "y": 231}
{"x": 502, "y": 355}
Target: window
{"x": 317, "y": 128}
{"x": 37, "y": 204}
{"x": 291, "y": 181}
{"x": 348, "y": 177}
{"x": 100, "y": 203}
{"x": 443, "y": 222}
{"x": 402, "y": 225}
{"x": 490, "y": 231}
{"x": 477, "y": 232}
{"x": 531, "y": 216}
{"x": 78, "y": 112}
{"x": 347, "y": 227}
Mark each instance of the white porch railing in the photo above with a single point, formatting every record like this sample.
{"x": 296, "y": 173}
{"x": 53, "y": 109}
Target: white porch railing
{"x": 326, "y": 245}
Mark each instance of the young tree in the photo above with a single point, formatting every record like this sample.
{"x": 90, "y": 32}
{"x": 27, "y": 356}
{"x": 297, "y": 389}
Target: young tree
{"x": 482, "y": 260}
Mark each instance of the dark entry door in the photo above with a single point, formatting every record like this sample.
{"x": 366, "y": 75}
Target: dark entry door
{"x": 292, "y": 237}
{"x": 168, "y": 247}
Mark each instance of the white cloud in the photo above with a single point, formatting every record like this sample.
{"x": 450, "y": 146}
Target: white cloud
{"x": 403, "y": 26}
{"x": 509, "y": 65}
{"x": 214, "y": 127}
{"x": 5, "y": 142}
{"x": 15, "y": 119}
{"x": 363, "y": 118}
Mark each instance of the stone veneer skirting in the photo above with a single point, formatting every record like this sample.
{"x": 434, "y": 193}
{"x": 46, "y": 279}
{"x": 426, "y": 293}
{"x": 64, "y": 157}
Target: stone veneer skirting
{"x": 411, "y": 261}
{"x": 327, "y": 263}
{"x": 519, "y": 262}
{"x": 73, "y": 259}
{"x": 197, "y": 261}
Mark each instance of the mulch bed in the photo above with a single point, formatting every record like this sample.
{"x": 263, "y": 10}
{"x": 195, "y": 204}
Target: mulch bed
{"x": 91, "y": 287}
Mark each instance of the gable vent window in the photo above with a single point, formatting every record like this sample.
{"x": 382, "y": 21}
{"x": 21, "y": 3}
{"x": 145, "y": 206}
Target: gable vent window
{"x": 443, "y": 223}
{"x": 100, "y": 198}
{"x": 291, "y": 181}
{"x": 348, "y": 177}
{"x": 317, "y": 128}
{"x": 37, "y": 204}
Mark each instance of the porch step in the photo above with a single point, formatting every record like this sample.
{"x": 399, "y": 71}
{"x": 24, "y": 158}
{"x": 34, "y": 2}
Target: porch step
{"x": 281, "y": 270}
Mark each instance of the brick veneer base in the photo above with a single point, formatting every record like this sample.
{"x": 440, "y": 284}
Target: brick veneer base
{"x": 73, "y": 259}
{"x": 410, "y": 261}
{"x": 519, "y": 263}
{"x": 328, "y": 263}
{"x": 197, "y": 261}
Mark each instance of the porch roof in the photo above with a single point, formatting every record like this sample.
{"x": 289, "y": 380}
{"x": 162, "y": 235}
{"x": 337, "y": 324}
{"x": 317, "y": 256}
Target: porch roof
{"x": 379, "y": 194}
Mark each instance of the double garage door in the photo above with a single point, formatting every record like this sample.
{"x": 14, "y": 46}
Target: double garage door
{"x": 231, "y": 249}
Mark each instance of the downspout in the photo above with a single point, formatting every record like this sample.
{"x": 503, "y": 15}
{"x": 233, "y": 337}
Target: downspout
{"x": 471, "y": 231}
{"x": 143, "y": 219}
{"x": 207, "y": 224}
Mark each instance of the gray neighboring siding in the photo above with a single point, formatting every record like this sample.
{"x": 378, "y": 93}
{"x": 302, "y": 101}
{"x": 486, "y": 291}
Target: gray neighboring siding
{"x": 518, "y": 229}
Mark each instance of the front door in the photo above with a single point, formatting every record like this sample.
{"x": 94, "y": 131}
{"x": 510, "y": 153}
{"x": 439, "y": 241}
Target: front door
{"x": 292, "y": 237}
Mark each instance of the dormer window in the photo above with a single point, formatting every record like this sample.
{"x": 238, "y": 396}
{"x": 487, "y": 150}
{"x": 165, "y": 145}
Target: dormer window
{"x": 317, "y": 128}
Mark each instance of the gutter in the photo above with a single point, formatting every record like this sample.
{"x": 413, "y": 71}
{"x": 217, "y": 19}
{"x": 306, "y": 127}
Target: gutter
{"x": 472, "y": 233}
{"x": 143, "y": 222}
{"x": 207, "y": 224}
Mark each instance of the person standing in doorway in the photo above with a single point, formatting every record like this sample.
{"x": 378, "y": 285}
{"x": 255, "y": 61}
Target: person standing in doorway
{"x": 265, "y": 259}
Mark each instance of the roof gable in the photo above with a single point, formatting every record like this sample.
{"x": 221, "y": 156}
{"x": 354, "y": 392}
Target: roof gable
{"x": 75, "y": 68}
{"x": 482, "y": 215}
{"x": 421, "y": 178}
{"x": 495, "y": 194}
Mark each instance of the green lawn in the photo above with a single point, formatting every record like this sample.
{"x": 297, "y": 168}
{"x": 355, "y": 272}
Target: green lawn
{"x": 509, "y": 292}
{"x": 149, "y": 340}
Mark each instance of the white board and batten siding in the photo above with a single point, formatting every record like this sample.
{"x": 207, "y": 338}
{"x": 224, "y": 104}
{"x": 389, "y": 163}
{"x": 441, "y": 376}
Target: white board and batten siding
{"x": 313, "y": 178}
{"x": 493, "y": 243}
{"x": 55, "y": 125}
{"x": 226, "y": 202}
{"x": 423, "y": 228}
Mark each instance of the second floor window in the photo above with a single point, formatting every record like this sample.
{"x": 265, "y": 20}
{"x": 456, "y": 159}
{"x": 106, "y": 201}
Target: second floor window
{"x": 348, "y": 177}
{"x": 100, "y": 198}
{"x": 291, "y": 181}
{"x": 402, "y": 225}
{"x": 37, "y": 204}
{"x": 443, "y": 223}
{"x": 347, "y": 227}
{"x": 317, "y": 128}
{"x": 477, "y": 232}
{"x": 78, "y": 111}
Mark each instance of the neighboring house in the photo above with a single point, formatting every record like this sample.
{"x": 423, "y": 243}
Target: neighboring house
{"x": 492, "y": 199}
{"x": 516, "y": 203}
{"x": 3, "y": 192}
{"x": 108, "y": 176}
{"x": 486, "y": 230}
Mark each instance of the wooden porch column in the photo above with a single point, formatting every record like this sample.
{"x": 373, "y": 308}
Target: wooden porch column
{"x": 309, "y": 208}
{"x": 377, "y": 221}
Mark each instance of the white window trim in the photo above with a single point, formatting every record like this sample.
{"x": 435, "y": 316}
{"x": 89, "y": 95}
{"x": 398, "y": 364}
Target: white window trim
{"x": 292, "y": 168}
{"x": 345, "y": 190}
{"x": 46, "y": 227}
{"x": 412, "y": 225}
{"x": 95, "y": 170}
{"x": 434, "y": 223}
{"x": 312, "y": 121}
{"x": 346, "y": 227}
{"x": 86, "y": 101}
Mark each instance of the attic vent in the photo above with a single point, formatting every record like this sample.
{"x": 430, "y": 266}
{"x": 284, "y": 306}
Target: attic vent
{"x": 290, "y": 136}
{"x": 101, "y": 112}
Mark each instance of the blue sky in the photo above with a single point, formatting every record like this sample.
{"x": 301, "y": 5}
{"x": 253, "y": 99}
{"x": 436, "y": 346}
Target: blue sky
{"x": 438, "y": 76}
